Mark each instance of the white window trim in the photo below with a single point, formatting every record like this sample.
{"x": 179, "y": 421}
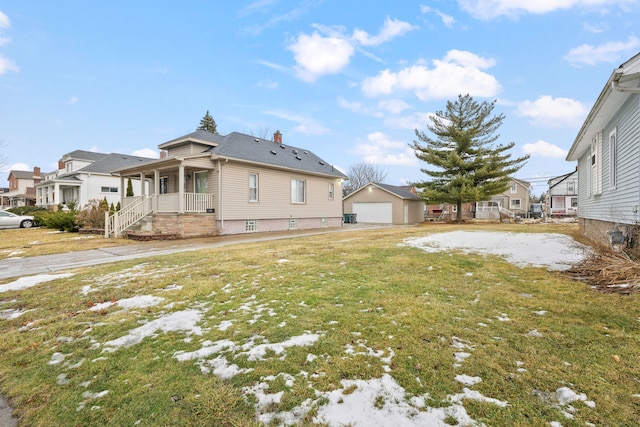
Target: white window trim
{"x": 196, "y": 180}
{"x": 166, "y": 186}
{"x": 595, "y": 162}
{"x": 294, "y": 192}
{"x": 331, "y": 191}
{"x": 257, "y": 196}
{"x": 613, "y": 158}
{"x": 571, "y": 187}
{"x": 511, "y": 204}
{"x": 108, "y": 189}
{"x": 514, "y": 188}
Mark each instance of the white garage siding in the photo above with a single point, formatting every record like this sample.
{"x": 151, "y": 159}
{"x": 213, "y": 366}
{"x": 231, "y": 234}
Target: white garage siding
{"x": 381, "y": 213}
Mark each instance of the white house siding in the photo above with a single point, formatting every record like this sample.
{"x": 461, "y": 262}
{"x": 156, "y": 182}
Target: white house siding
{"x": 274, "y": 195}
{"x": 615, "y": 205}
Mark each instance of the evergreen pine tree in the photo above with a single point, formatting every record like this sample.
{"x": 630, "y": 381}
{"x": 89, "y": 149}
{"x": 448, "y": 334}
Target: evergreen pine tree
{"x": 467, "y": 166}
{"x": 129, "y": 188}
{"x": 207, "y": 123}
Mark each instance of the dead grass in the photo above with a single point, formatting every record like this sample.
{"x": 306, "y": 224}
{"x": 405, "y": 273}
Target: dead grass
{"x": 28, "y": 242}
{"x": 609, "y": 271}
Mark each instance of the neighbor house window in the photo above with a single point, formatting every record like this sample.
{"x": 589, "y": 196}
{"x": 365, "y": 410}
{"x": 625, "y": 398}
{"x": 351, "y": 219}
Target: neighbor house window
{"x": 613, "y": 158}
{"x": 571, "y": 187}
{"x": 596, "y": 164}
{"x": 514, "y": 204}
{"x": 514, "y": 188}
{"x": 201, "y": 182}
{"x": 298, "y": 191}
{"x": 109, "y": 189}
{"x": 331, "y": 191}
{"x": 574, "y": 202}
{"x": 164, "y": 185}
{"x": 293, "y": 223}
{"x": 253, "y": 187}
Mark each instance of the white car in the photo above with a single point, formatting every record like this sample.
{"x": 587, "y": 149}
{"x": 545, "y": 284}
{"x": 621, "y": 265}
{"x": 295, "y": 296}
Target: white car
{"x": 11, "y": 220}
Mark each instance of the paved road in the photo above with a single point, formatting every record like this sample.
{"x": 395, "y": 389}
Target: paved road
{"x": 19, "y": 267}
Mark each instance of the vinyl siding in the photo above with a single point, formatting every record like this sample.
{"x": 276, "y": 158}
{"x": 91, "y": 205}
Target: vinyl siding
{"x": 274, "y": 194}
{"x": 377, "y": 195}
{"x": 615, "y": 204}
{"x": 187, "y": 149}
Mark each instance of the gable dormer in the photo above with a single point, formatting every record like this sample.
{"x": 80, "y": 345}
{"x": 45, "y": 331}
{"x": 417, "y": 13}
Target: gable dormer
{"x": 194, "y": 143}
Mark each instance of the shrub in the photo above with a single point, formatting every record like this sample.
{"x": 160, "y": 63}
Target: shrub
{"x": 61, "y": 220}
{"x": 92, "y": 215}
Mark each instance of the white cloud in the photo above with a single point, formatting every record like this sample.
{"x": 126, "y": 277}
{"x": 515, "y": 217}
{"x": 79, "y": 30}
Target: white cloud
{"x": 73, "y": 100}
{"x": 553, "y": 112}
{"x": 7, "y": 65}
{"x": 489, "y": 9}
{"x": 380, "y": 149}
{"x": 393, "y": 106}
{"x": 17, "y": 167}
{"x": 411, "y": 122}
{"x": 305, "y": 125}
{"x": 316, "y": 55}
{"x": 147, "y": 152}
{"x": 391, "y": 29}
{"x": 607, "y": 52}
{"x": 544, "y": 149}
{"x": 4, "y": 20}
{"x": 459, "y": 72}
{"x": 447, "y": 20}
{"x": 267, "y": 84}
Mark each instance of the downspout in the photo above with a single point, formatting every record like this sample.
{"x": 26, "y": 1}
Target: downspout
{"x": 615, "y": 83}
{"x": 220, "y": 191}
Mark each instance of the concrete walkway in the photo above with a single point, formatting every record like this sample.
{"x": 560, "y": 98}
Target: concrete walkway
{"x": 19, "y": 267}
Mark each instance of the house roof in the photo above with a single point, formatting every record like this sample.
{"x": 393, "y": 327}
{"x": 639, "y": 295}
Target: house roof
{"x": 523, "y": 183}
{"x": 623, "y": 81}
{"x": 248, "y": 149}
{"x": 395, "y": 190}
{"x": 89, "y": 156}
{"x": 22, "y": 174}
{"x": 257, "y": 150}
{"x": 103, "y": 164}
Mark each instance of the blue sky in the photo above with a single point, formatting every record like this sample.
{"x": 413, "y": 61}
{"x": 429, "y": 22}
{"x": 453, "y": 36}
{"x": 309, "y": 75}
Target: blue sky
{"x": 348, "y": 80}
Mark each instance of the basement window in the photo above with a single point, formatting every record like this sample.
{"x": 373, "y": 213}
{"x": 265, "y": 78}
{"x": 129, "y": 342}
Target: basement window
{"x": 250, "y": 225}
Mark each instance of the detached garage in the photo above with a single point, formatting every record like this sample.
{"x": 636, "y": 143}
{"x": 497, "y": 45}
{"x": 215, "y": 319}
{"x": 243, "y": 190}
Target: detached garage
{"x": 384, "y": 204}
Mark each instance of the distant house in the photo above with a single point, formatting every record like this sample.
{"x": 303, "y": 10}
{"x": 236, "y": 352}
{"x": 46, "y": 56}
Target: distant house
{"x": 516, "y": 199}
{"x": 83, "y": 176}
{"x": 385, "y": 204}
{"x": 208, "y": 184}
{"x": 607, "y": 149}
{"x": 563, "y": 195}
{"x": 449, "y": 212}
{"x": 21, "y": 191}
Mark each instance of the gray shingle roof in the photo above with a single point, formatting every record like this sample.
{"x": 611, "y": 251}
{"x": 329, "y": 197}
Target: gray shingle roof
{"x": 249, "y": 148}
{"x": 90, "y": 156}
{"x": 398, "y": 191}
{"x": 108, "y": 163}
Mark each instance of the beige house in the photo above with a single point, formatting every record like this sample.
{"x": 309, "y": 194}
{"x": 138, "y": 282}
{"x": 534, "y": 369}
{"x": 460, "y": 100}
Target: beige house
{"x": 21, "y": 190}
{"x": 516, "y": 199}
{"x": 384, "y": 204}
{"x": 208, "y": 184}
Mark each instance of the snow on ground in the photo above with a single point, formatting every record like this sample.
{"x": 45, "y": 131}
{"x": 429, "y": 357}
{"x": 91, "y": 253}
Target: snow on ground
{"x": 29, "y": 281}
{"x": 550, "y": 250}
{"x": 380, "y": 401}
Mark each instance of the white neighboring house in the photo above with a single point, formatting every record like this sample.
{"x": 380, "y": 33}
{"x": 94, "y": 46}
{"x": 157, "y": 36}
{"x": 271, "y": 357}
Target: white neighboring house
{"x": 607, "y": 149}
{"x": 563, "y": 195}
{"x": 83, "y": 176}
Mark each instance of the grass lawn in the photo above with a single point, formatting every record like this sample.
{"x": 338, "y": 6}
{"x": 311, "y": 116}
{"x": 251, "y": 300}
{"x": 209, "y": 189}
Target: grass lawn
{"x": 338, "y": 328}
{"x": 27, "y": 242}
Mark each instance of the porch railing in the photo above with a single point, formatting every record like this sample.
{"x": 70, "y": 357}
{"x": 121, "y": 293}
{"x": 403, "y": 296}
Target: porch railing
{"x": 193, "y": 202}
{"x": 115, "y": 224}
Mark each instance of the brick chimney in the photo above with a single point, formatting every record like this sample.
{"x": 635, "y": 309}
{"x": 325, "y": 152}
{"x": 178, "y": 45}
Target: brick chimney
{"x": 61, "y": 165}
{"x": 163, "y": 154}
{"x": 277, "y": 137}
{"x": 36, "y": 175}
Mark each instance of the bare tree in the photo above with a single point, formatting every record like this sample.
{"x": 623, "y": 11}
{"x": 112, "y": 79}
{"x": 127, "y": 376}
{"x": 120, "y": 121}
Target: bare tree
{"x": 362, "y": 174}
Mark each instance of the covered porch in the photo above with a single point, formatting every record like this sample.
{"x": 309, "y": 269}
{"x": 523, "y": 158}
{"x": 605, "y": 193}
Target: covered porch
{"x": 168, "y": 186}
{"x": 50, "y": 194}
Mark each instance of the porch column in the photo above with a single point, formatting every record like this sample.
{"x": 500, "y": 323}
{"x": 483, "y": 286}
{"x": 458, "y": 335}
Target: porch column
{"x": 56, "y": 194}
{"x": 143, "y": 179}
{"x": 156, "y": 189}
{"x": 122, "y": 190}
{"x": 181, "y": 189}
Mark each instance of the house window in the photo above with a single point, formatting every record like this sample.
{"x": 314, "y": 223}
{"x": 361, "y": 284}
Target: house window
{"x": 331, "y": 187}
{"x": 293, "y": 223}
{"x": 324, "y": 222}
{"x": 201, "y": 182}
{"x": 596, "y": 165}
{"x": 454, "y": 208}
{"x": 164, "y": 185}
{"x": 571, "y": 187}
{"x": 613, "y": 158}
{"x": 514, "y": 188}
{"x": 253, "y": 187}
{"x": 250, "y": 225}
{"x": 298, "y": 191}
{"x": 514, "y": 204}
{"x": 109, "y": 189}
{"x": 574, "y": 202}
